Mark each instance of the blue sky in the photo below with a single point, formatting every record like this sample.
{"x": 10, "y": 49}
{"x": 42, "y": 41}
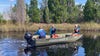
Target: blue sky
{"x": 5, "y": 4}
{"x": 80, "y": 2}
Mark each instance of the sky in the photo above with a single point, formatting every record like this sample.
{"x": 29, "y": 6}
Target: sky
{"x": 6, "y": 4}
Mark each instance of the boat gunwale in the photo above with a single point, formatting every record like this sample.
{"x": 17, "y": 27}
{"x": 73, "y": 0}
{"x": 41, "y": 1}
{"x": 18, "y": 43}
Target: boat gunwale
{"x": 60, "y": 38}
{"x": 67, "y": 40}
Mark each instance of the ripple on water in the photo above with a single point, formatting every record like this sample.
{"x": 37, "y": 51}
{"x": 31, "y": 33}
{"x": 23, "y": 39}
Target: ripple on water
{"x": 10, "y": 47}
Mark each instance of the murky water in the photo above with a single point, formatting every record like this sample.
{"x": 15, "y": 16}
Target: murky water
{"x": 13, "y": 44}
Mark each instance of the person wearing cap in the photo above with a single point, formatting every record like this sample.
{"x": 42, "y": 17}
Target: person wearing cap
{"x": 41, "y": 32}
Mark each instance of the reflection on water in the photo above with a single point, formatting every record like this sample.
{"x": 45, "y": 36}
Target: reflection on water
{"x": 54, "y": 50}
{"x": 9, "y": 47}
{"x": 13, "y": 44}
{"x": 34, "y": 52}
{"x": 92, "y": 46}
{"x": 80, "y": 51}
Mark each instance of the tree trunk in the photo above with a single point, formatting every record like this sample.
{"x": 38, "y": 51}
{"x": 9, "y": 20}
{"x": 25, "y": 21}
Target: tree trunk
{"x": 21, "y": 11}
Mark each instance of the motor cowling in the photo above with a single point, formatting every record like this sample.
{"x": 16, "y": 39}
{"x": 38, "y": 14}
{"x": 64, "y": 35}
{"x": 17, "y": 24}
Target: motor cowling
{"x": 28, "y": 38}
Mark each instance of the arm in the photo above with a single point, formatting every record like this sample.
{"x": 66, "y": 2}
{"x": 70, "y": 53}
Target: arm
{"x": 50, "y": 31}
{"x": 45, "y": 31}
{"x": 78, "y": 29}
{"x": 36, "y": 32}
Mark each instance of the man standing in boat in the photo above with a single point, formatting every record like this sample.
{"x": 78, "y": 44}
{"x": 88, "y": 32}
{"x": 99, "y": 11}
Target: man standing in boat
{"x": 52, "y": 32}
{"x": 41, "y": 32}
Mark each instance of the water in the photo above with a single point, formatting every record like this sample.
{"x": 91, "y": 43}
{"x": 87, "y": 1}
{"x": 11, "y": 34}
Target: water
{"x": 13, "y": 44}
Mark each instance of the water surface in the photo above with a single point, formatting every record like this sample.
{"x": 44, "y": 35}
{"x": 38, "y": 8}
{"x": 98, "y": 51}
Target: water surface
{"x": 13, "y": 44}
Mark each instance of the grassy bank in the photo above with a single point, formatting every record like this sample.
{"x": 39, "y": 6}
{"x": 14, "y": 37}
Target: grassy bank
{"x": 34, "y": 27}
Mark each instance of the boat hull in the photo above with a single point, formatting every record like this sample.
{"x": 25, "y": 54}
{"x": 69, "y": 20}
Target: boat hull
{"x": 61, "y": 40}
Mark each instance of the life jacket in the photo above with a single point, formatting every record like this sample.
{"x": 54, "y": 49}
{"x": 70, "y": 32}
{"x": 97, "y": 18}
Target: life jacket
{"x": 54, "y": 36}
{"x": 75, "y": 34}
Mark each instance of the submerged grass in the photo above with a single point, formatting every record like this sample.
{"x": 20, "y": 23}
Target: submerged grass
{"x": 34, "y": 26}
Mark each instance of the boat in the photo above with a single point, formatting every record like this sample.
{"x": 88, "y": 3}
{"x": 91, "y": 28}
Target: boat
{"x": 63, "y": 38}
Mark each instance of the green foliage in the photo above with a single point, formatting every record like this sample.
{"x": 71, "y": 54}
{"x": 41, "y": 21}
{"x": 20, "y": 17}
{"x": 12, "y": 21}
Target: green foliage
{"x": 58, "y": 10}
{"x": 61, "y": 11}
{"x": 97, "y": 9}
{"x": 46, "y": 15}
{"x": 92, "y": 11}
{"x": 1, "y": 18}
{"x": 52, "y": 5}
{"x": 27, "y": 16}
{"x": 89, "y": 11}
{"x": 34, "y": 11}
{"x": 45, "y": 12}
{"x": 14, "y": 8}
{"x": 73, "y": 16}
{"x": 2, "y": 21}
{"x": 73, "y": 11}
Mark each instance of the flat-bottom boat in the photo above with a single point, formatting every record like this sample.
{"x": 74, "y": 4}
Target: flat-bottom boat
{"x": 63, "y": 38}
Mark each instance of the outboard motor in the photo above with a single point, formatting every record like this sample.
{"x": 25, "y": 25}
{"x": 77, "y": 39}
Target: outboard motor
{"x": 28, "y": 36}
{"x": 30, "y": 41}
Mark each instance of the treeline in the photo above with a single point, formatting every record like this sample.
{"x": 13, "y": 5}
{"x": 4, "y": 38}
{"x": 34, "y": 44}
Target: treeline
{"x": 58, "y": 11}
{"x": 62, "y": 11}
{"x": 53, "y": 11}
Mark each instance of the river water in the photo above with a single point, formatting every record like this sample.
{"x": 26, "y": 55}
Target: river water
{"x": 13, "y": 44}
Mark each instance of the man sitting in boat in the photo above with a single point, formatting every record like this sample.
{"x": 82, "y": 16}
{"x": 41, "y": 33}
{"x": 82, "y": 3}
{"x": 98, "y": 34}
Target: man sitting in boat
{"x": 52, "y": 32}
{"x": 41, "y": 32}
{"x": 76, "y": 30}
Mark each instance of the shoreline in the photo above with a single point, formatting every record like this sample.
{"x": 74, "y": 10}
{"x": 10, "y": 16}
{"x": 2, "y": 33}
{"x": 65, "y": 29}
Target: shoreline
{"x": 60, "y": 27}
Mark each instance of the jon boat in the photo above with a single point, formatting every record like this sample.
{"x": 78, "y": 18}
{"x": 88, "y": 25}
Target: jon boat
{"x": 63, "y": 38}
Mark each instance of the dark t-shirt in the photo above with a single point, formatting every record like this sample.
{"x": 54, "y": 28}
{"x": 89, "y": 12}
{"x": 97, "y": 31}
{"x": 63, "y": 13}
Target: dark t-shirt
{"x": 77, "y": 30}
{"x": 52, "y": 31}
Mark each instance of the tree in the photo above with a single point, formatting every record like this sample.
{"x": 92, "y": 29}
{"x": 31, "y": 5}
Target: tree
{"x": 1, "y": 18}
{"x": 73, "y": 11}
{"x": 27, "y": 16}
{"x": 13, "y": 14}
{"x": 57, "y": 10}
{"x": 89, "y": 11}
{"x": 45, "y": 11}
{"x": 70, "y": 5}
{"x": 79, "y": 13}
{"x": 34, "y": 11}
{"x": 97, "y": 10}
{"x": 52, "y": 5}
{"x": 63, "y": 11}
{"x": 96, "y": 0}
{"x": 21, "y": 11}
{"x": 46, "y": 15}
{"x": 97, "y": 16}
{"x": 2, "y": 21}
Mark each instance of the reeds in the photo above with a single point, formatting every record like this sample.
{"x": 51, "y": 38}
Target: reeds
{"x": 33, "y": 27}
